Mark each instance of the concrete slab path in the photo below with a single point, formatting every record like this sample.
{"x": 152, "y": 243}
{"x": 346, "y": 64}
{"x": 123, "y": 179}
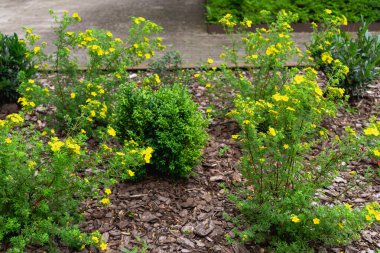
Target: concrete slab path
{"x": 183, "y": 22}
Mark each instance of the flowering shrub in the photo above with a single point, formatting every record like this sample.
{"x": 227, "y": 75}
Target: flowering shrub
{"x": 280, "y": 111}
{"x": 360, "y": 55}
{"x": 165, "y": 118}
{"x": 84, "y": 100}
{"x": 40, "y": 190}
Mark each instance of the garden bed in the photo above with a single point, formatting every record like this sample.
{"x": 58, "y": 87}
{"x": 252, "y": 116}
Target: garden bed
{"x": 187, "y": 215}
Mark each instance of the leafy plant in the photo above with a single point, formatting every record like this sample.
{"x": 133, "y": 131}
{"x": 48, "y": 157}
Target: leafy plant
{"x": 40, "y": 190}
{"x": 361, "y": 55}
{"x": 279, "y": 111}
{"x": 14, "y": 57}
{"x": 84, "y": 100}
{"x": 166, "y": 119}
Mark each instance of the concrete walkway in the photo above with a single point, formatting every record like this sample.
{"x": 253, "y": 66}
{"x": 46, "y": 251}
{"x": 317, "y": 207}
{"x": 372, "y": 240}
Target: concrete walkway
{"x": 183, "y": 22}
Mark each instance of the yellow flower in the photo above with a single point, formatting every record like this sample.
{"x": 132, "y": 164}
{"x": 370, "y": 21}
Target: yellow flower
{"x": 327, "y": 11}
{"x": 107, "y": 191}
{"x": 95, "y": 239}
{"x": 246, "y": 122}
{"x": 353, "y": 172}
{"x": 299, "y": 79}
{"x": 109, "y": 34}
{"x": 76, "y": 16}
{"x": 348, "y": 206}
{"x": 147, "y": 56}
{"x": 326, "y": 57}
{"x": 210, "y": 61}
{"x": 147, "y": 154}
{"x": 316, "y": 221}
{"x": 376, "y": 152}
{"x": 103, "y": 246}
{"x": 208, "y": 86}
{"x": 318, "y": 91}
{"x": 208, "y": 110}
{"x": 277, "y": 97}
{"x": 118, "y": 76}
{"x": 105, "y": 201}
{"x": 234, "y": 136}
{"x": 294, "y": 218}
{"x": 111, "y": 131}
{"x": 271, "y": 51}
{"x": 286, "y": 146}
{"x": 36, "y": 50}
{"x": 82, "y": 131}
{"x": 72, "y": 95}
{"x": 368, "y": 217}
{"x": 372, "y": 131}
{"x": 344, "y": 22}
{"x": 131, "y": 173}
{"x": 15, "y": 118}
{"x": 31, "y": 81}
{"x": 272, "y": 131}
{"x": 8, "y": 140}
{"x": 157, "y": 78}
{"x": 56, "y": 144}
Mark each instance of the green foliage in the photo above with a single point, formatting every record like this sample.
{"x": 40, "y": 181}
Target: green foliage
{"x": 165, "y": 118}
{"x": 40, "y": 191}
{"x": 307, "y": 10}
{"x": 361, "y": 55}
{"x": 14, "y": 57}
{"x": 280, "y": 111}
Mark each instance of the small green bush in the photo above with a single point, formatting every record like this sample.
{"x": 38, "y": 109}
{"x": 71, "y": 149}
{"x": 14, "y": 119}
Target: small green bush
{"x": 13, "y": 59}
{"x": 166, "y": 119}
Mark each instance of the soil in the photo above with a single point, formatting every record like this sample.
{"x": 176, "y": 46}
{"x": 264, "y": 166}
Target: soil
{"x": 187, "y": 215}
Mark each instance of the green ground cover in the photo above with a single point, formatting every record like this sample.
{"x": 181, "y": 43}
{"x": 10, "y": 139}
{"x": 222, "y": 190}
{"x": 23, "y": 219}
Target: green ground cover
{"x": 307, "y": 10}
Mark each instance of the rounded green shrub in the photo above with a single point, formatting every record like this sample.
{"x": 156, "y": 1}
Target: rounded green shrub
{"x": 13, "y": 59}
{"x": 165, "y": 119}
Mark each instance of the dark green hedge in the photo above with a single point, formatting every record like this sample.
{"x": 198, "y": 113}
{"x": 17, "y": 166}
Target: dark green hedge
{"x": 308, "y": 10}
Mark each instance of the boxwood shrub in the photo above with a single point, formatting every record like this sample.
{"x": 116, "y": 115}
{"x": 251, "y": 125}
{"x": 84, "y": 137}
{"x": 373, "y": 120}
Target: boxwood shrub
{"x": 166, "y": 119}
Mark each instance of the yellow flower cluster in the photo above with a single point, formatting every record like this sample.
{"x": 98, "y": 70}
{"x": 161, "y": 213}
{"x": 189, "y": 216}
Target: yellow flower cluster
{"x": 228, "y": 21}
{"x": 372, "y": 130}
{"x": 72, "y": 145}
{"x": 14, "y": 118}
{"x": 277, "y": 97}
{"x": 326, "y": 57}
{"x": 147, "y": 154}
{"x": 25, "y": 103}
{"x": 56, "y": 144}
{"x": 373, "y": 210}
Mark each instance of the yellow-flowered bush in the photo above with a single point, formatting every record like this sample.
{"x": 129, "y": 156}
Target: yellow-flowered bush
{"x": 83, "y": 100}
{"x": 280, "y": 111}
